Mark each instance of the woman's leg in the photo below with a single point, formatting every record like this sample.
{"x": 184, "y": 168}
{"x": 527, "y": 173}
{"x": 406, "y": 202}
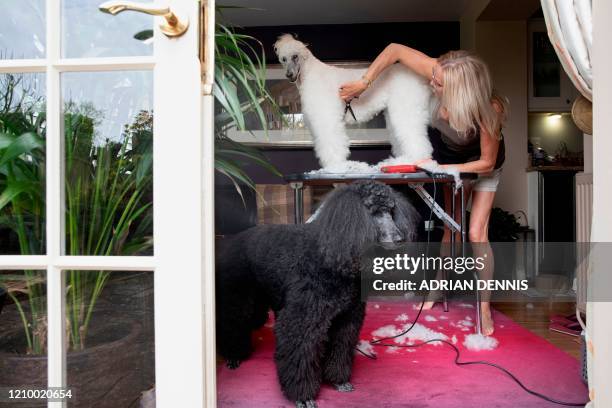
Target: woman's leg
{"x": 482, "y": 202}
{"x": 446, "y": 237}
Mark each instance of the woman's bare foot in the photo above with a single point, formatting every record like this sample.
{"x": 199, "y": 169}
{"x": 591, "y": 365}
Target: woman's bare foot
{"x": 428, "y": 305}
{"x": 488, "y": 326}
{"x": 432, "y": 298}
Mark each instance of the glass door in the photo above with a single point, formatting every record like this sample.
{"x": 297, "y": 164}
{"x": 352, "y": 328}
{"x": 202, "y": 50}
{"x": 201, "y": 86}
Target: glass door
{"x": 106, "y": 226}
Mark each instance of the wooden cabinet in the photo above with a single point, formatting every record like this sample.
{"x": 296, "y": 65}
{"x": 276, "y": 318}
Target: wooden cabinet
{"x": 550, "y": 89}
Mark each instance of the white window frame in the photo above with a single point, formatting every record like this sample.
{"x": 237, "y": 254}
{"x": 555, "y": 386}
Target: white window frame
{"x": 183, "y": 231}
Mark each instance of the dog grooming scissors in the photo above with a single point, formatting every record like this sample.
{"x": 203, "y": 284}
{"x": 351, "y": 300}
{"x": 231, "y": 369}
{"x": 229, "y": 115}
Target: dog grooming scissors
{"x": 348, "y": 108}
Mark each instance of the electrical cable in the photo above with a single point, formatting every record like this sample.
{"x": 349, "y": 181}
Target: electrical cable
{"x": 379, "y": 342}
{"x": 462, "y": 363}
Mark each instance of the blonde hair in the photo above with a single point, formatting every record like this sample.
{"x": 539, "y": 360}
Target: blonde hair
{"x": 468, "y": 94}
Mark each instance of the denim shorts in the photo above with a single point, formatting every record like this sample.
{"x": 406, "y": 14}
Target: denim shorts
{"x": 487, "y": 181}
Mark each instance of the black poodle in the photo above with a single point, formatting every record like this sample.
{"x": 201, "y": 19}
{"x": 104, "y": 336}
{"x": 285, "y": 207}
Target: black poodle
{"x": 309, "y": 275}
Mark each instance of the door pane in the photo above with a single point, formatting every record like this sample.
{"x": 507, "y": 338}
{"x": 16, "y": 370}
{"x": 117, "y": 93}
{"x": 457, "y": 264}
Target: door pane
{"x": 89, "y": 33}
{"x": 22, "y": 164}
{"x": 22, "y": 29}
{"x": 111, "y": 359}
{"x": 108, "y": 128}
{"x": 23, "y": 331}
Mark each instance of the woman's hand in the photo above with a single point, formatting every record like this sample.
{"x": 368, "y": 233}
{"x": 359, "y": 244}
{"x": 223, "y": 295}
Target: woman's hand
{"x": 426, "y": 161}
{"x": 352, "y": 89}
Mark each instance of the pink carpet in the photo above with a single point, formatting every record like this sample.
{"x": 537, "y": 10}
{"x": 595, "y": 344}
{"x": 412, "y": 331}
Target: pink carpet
{"x": 426, "y": 376}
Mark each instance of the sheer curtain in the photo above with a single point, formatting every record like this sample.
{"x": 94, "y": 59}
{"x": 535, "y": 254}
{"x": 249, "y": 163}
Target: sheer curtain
{"x": 570, "y": 28}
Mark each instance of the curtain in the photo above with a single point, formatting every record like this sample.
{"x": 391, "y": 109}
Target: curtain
{"x": 570, "y": 29}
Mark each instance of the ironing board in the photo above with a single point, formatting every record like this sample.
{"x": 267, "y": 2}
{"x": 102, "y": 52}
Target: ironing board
{"x": 416, "y": 181}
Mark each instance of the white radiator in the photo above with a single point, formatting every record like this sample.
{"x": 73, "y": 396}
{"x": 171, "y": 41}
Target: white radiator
{"x": 584, "y": 212}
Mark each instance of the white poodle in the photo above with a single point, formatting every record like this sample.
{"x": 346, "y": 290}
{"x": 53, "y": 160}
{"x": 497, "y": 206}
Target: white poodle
{"x": 402, "y": 94}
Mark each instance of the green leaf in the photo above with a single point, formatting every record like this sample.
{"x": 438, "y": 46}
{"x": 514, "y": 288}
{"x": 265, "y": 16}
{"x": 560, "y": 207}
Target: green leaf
{"x": 13, "y": 190}
{"x": 6, "y": 139}
{"x": 23, "y": 144}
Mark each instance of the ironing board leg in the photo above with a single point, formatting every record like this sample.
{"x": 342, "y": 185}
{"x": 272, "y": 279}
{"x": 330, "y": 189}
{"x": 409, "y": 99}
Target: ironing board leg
{"x": 452, "y": 248}
{"x": 298, "y": 202}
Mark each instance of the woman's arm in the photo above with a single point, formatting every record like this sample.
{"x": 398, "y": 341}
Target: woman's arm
{"x": 489, "y": 145}
{"x": 411, "y": 58}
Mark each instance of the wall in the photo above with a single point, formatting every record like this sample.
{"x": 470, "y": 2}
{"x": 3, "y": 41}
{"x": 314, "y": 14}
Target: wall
{"x": 503, "y": 45}
{"x": 588, "y": 153}
{"x": 600, "y": 312}
{"x": 361, "y": 42}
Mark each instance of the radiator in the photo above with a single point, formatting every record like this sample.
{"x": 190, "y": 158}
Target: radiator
{"x": 584, "y": 213}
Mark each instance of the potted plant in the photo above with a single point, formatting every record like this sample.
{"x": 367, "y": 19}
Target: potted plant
{"x": 503, "y": 230}
{"x": 108, "y": 212}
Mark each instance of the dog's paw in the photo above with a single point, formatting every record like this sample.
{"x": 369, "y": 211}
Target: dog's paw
{"x": 306, "y": 404}
{"x": 346, "y": 387}
{"x": 348, "y": 166}
{"x": 232, "y": 364}
{"x": 392, "y": 161}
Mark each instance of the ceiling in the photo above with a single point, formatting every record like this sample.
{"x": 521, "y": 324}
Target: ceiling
{"x": 298, "y": 12}
{"x": 509, "y": 10}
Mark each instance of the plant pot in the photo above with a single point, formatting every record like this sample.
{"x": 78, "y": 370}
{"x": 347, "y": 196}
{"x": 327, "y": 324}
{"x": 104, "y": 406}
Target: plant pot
{"x": 107, "y": 374}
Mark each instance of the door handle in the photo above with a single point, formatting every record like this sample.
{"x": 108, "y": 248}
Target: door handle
{"x": 172, "y": 27}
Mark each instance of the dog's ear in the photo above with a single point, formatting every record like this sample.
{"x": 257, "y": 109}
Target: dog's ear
{"x": 344, "y": 227}
{"x": 405, "y": 216}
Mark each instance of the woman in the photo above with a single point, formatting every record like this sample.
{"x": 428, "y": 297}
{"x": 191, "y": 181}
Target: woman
{"x": 469, "y": 115}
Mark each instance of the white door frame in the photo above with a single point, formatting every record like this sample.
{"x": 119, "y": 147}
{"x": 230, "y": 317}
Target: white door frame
{"x": 183, "y": 208}
{"x": 600, "y": 312}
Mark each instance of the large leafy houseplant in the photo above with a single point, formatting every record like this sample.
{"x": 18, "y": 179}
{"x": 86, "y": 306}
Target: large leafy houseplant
{"x": 240, "y": 89}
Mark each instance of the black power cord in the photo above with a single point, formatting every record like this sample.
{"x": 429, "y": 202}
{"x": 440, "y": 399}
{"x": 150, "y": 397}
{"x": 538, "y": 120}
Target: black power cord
{"x": 379, "y": 342}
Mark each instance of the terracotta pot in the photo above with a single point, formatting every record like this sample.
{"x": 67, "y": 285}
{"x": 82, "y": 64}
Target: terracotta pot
{"x": 108, "y": 374}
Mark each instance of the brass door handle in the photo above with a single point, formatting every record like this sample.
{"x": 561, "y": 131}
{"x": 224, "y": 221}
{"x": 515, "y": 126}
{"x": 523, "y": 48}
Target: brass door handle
{"x": 173, "y": 27}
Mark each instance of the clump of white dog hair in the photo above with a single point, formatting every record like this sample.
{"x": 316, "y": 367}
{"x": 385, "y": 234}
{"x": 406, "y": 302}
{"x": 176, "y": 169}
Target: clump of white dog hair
{"x": 434, "y": 167}
{"x": 347, "y": 167}
{"x": 478, "y": 342}
{"x": 430, "y": 318}
{"x": 402, "y": 318}
{"x": 386, "y": 331}
{"x": 365, "y": 347}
